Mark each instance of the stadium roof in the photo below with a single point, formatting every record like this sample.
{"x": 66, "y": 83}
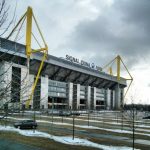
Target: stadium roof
{"x": 58, "y": 68}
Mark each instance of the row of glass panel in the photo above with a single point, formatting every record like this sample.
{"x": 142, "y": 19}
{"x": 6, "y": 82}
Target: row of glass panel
{"x": 63, "y": 84}
{"x": 56, "y": 94}
{"x": 58, "y": 89}
{"x": 100, "y": 94}
{"x": 100, "y": 90}
{"x": 82, "y": 88}
{"x": 57, "y": 83}
{"x": 100, "y": 98}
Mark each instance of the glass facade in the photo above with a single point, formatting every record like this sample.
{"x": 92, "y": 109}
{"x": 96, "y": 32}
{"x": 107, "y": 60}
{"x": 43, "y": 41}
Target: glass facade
{"x": 57, "y": 94}
{"x": 16, "y": 84}
{"x": 37, "y": 95}
{"x": 57, "y": 89}
{"x": 100, "y": 99}
{"x": 83, "y": 97}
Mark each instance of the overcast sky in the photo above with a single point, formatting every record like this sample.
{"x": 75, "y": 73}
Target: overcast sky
{"x": 97, "y": 31}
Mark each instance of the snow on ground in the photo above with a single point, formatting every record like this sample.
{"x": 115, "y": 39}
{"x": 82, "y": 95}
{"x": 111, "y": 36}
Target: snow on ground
{"x": 143, "y": 130}
{"x": 112, "y": 130}
{"x": 111, "y": 123}
{"x": 63, "y": 139}
{"x": 96, "y": 121}
{"x": 88, "y": 127}
{"x": 142, "y": 126}
{"x": 99, "y": 121}
{"x": 92, "y": 127}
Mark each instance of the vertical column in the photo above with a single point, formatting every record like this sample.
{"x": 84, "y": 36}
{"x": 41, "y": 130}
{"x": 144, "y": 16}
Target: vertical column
{"x": 88, "y": 91}
{"x": 7, "y": 82}
{"x": 108, "y": 106}
{"x": 78, "y": 96}
{"x": 114, "y": 99}
{"x": 111, "y": 99}
{"x": 2, "y": 83}
{"x": 117, "y": 97}
{"x": 44, "y": 93}
{"x": 24, "y": 86}
{"x": 122, "y": 98}
{"x": 30, "y": 84}
{"x": 70, "y": 95}
{"x": 94, "y": 100}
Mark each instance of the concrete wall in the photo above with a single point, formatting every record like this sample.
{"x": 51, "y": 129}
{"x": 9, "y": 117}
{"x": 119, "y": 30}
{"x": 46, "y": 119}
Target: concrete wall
{"x": 117, "y": 97}
{"x": 70, "y": 95}
{"x": 78, "y": 96}
{"x": 25, "y": 85}
{"x": 31, "y": 81}
{"x": 88, "y": 97}
{"x": 44, "y": 92}
{"x": 122, "y": 97}
{"x": 113, "y": 107}
{"x": 108, "y": 100}
{"x": 5, "y": 82}
{"x": 94, "y": 98}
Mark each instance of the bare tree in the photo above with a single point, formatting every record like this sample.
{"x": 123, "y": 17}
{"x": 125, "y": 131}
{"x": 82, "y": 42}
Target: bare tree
{"x": 131, "y": 116}
{"x": 5, "y": 21}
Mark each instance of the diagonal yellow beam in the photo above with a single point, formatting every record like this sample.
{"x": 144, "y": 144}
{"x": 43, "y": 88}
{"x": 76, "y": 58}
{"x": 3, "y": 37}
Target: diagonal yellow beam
{"x": 36, "y": 80}
{"x": 29, "y": 31}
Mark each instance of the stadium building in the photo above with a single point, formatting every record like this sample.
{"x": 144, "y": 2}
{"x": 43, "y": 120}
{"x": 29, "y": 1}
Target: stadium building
{"x": 65, "y": 83}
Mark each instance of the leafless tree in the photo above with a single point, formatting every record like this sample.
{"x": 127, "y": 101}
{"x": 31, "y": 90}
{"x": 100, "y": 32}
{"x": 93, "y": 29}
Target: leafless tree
{"x": 5, "y": 20}
{"x": 131, "y": 116}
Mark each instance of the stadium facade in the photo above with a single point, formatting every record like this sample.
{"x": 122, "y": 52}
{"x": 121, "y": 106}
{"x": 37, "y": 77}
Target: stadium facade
{"x": 65, "y": 83}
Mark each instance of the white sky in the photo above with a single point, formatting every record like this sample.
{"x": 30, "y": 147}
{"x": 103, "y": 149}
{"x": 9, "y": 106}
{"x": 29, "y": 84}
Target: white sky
{"x": 63, "y": 21}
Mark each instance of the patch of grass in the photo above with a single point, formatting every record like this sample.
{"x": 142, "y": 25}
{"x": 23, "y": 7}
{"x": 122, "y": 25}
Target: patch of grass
{"x": 42, "y": 143}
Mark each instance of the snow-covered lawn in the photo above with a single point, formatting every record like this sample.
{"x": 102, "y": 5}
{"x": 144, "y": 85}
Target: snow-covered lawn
{"x": 100, "y": 121}
{"x": 63, "y": 139}
{"x": 91, "y": 127}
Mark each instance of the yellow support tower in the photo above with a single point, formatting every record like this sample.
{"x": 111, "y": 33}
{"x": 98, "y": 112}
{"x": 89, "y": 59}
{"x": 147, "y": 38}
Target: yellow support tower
{"x": 110, "y": 71}
{"x": 119, "y": 61}
{"x": 29, "y": 16}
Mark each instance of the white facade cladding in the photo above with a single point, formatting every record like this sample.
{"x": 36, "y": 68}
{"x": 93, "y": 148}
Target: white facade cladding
{"x": 78, "y": 96}
{"x": 108, "y": 99}
{"x": 31, "y": 81}
{"x": 5, "y": 82}
{"x": 94, "y": 100}
{"x": 62, "y": 84}
{"x": 117, "y": 97}
{"x": 88, "y": 97}
{"x": 70, "y": 95}
{"x": 25, "y": 85}
{"x": 114, "y": 100}
{"x": 44, "y": 93}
